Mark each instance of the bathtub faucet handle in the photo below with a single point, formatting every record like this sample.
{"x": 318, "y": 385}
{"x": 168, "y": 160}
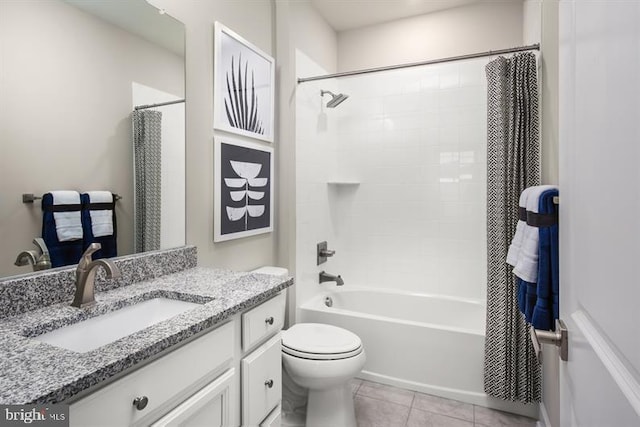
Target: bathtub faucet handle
{"x": 327, "y": 253}
{"x": 323, "y": 252}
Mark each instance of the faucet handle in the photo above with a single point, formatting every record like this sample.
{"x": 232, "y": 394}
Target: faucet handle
{"x": 42, "y": 246}
{"x": 323, "y": 252}
{"x": 86, "y": 256}
{"x": 327, "y": 253}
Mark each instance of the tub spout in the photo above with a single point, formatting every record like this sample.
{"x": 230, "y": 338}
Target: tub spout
{"x": 326, "y": 277}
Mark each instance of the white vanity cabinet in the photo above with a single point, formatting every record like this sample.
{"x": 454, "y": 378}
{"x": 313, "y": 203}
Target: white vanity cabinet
{"x": 261, "y": 369}
{"x": 144, "y": 395}
{"x": 227, "y": 377}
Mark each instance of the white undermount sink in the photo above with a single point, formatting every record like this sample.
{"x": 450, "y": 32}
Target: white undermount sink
{"x": 97, "y": 331}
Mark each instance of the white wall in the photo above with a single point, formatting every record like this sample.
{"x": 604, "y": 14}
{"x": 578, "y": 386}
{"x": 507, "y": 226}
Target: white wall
{"x": 540, "y": 25}
{"x": 316, "y": 164}
{"x": 300, "y": 29}
{"x": 65, "y": 119}
{"x": 394, "y": 179}
{"x": 414, "y": 140}
{"x": 253, "y": 20}
{"x": 549, "y": 45}
{"x": 531, "y": 21}
{"x": 313, "y": 36}
{"x": 468, "y": 29}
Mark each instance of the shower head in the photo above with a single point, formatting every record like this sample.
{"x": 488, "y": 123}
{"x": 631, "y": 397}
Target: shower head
{"x": 335, "y": 99}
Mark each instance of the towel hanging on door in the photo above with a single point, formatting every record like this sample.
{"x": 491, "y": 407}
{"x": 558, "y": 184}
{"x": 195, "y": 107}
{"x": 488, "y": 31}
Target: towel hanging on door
{"x": 537, "y": 265}
{"x": 546, "y": 308}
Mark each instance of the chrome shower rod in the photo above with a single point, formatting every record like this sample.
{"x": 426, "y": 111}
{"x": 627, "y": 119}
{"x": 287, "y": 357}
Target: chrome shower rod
{"x": 535, "y": 46}
{"x": 160, "y": 104}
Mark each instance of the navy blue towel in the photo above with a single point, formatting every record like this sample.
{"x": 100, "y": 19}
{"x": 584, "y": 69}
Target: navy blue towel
{"x": 109, "y": 246}
{"x": 61, "y": 253}
{"x": 527, "y": 297}
{"x": 546, "y": 308}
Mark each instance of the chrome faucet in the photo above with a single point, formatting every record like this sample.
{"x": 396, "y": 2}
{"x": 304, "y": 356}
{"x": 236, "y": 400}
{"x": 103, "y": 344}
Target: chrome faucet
{"x": 39, "y": 259}
{"x": 86, "y": 275}
{"x": 26, "y": 258}
{"x": 326, "y": 277}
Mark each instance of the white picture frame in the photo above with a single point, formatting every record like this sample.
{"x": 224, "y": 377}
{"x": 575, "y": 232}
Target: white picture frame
{"x": 243, "y": 86}
{"x": 243, "y": 188}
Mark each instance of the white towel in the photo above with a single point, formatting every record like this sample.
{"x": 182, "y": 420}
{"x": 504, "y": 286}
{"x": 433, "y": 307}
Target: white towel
{"x": 527, "y": 266}
{"x": 101, "y": 220}
{"x": 516, "y": 243}
{"x": 68, "y": 224}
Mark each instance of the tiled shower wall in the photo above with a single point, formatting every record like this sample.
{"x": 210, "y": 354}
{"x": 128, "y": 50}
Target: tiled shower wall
{"x": 399, "y": 178}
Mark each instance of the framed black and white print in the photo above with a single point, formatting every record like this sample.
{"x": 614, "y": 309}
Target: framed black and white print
{"x": 243, "y": 188}
{"x": 243, "y": 86}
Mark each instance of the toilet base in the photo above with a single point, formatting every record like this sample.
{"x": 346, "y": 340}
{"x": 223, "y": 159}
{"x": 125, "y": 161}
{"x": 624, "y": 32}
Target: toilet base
{"x": 331, "y": 407}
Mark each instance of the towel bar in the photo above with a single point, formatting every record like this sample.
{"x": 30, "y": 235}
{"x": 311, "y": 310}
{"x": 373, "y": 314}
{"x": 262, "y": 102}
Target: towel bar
{"x": 559, "y": 338}
{"x": 30, "y": 197}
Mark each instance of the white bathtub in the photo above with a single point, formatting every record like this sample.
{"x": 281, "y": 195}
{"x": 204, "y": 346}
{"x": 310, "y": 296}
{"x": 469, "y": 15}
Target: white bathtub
{"x": 419, "y": 342}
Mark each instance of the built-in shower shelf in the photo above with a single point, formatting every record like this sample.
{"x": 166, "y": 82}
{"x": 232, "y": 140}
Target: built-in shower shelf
{"x": 343, "y": 182}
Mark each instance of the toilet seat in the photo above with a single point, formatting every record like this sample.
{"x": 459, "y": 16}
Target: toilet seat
{"x": 318, "y": 341}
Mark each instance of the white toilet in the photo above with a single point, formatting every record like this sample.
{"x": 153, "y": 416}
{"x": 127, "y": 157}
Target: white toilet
{"x": 322, "y": 358}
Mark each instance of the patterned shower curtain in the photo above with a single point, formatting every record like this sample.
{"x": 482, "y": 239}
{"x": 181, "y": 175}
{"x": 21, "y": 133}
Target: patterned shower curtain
{"x": 147, "y": 138}
{"x": 511, "y": 371}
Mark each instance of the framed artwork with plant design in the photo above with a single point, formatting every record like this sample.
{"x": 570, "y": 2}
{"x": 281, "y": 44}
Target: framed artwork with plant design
{"x": 243, "y": 86}
{"x": 243, "y": 189}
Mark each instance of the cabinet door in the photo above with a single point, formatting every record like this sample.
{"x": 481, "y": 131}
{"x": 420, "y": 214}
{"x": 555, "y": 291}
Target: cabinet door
{"x": 209, "y": 407}
{"x": 261, "y": 381}
{"x": 274, "y": 419}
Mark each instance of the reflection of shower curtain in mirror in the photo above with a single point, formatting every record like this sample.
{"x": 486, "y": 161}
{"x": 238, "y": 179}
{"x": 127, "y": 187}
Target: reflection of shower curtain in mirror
{"x": 147, "y": 137}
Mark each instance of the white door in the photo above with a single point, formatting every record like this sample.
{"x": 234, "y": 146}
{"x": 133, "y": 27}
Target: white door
{"x": 600, "y": 211}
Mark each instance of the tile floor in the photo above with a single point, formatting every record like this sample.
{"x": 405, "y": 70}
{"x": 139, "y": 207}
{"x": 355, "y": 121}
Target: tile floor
{"x": 379, "y": 405}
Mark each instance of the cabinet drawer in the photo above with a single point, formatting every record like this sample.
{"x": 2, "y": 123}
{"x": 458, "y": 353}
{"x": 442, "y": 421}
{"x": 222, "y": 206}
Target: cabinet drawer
{"x": 159, "y": 382}
{"x": 209, "y": 407}
{"x": 261, "y": 382}
{"x": 263, "y": 321}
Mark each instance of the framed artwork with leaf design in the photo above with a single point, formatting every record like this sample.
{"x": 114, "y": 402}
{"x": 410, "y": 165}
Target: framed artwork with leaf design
{"x": 243, "y": 86}
{"x": 243, "y": 189}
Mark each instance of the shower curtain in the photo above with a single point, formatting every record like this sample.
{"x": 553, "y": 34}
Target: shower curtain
{"x": 147, "y": 138}
{"x": 511, "y": 371}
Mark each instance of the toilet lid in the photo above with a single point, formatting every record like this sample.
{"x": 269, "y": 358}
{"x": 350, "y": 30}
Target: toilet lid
{"x": 320, "y": 341}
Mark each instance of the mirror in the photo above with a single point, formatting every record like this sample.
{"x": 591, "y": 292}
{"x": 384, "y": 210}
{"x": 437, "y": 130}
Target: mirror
{"x": 71, "y": 73}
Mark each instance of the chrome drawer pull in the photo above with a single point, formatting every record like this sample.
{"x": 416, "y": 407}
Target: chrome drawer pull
{"x": 269, "y": 320}
{"x": 141, "y": 402}
{"x": 269, "y": 383}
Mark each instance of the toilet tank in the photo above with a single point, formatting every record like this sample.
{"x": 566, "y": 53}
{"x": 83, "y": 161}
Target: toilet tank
{"x": 274, "y": 271}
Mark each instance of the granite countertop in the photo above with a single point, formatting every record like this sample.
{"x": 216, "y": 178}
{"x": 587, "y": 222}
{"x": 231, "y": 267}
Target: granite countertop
{"x": 36, "y": 372}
